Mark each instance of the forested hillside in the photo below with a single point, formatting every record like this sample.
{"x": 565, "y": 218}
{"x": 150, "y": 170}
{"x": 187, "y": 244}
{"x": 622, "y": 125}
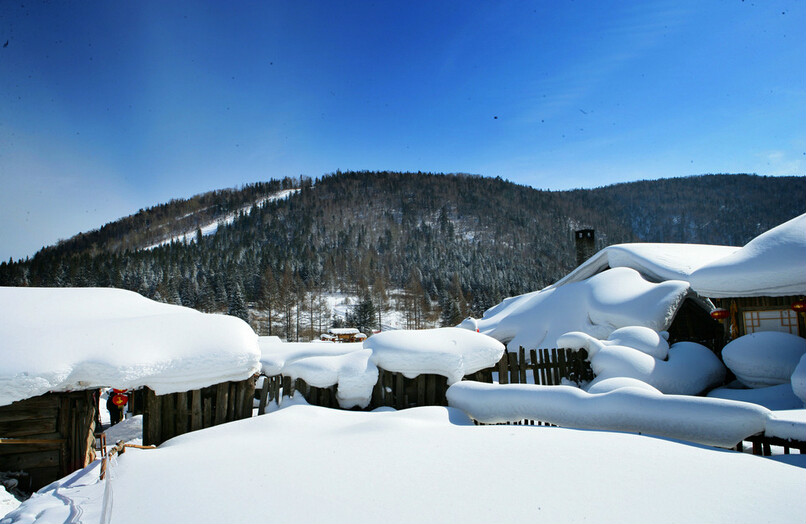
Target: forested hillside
{"x": 454, "y": 244}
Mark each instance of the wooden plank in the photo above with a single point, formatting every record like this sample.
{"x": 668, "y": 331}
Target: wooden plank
{"x": 207, "y": 411}
{"x": 264, "y": 396}
{"x": 239, "y": 388}
{"x": 221, "y": 399}
{"x": 400, "y": 392}
{"x": 544, "y": 361}
{"x": 25, "y": 461}
{"x": 152, "y": 420}
{"x": 46, "y": 401}
{"x": 231, "y": 398}
{"x": 196, "y": 418}
{"x": 441, "y": 387}
{"x": 533, "y": 358}
{"x": 562, "y": 365}
{"x": 430, "y": 390}
{"x": 168, "y": 415}
{"x": 29, "y": 427}
{"x": 513, "y": 368}
{"x": 421, "y": 393}
{"x": 503, "y": 369}
{"x": 182, "y": 413}
{"x": 249, "y": 396}
{"x": 18, "y": 415}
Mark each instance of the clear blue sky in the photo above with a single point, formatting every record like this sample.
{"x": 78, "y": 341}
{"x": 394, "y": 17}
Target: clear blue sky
{"x": 108, "y": 107}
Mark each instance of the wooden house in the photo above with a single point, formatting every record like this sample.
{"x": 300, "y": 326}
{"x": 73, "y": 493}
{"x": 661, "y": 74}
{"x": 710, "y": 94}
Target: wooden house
{"x": 203, "y": 367}
{"x": 47, "y": 437}
{"x": 343, "y": 335}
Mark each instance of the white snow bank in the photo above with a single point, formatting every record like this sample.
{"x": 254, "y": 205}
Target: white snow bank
{"x": 424, "y": 465}
{"x": 772, "y": 397}
{"x": 275, "y": 354}
{"x": 799, "y": 380}
{"x": 641, "y": 338}
{"x": 787, "y": 424}
{"x": 690, "y": 368}
{"x": 766, "y": 358}
{"x": 657, "y": 262}
{"x": 614, "y": 299}
{"x": 450, "y": 352}
{"x": 611, "y": 384}
{"x": 61, "y": 339}
{"x": 710, "y": 421}
{"x": 772, "y": 264}
{"x": 8, "y": 502}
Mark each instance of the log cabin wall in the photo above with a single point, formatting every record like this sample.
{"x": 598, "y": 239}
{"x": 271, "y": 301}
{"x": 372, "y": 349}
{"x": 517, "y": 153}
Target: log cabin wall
{"x": 48, "y": 437}
{"x": 167, "y": 416}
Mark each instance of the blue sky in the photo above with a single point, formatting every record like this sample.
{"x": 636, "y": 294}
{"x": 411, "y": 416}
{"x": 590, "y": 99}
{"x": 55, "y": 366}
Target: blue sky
{"x": 109, "y": 107}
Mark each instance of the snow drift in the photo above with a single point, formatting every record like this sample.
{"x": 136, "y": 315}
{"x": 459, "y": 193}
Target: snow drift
{"x": 714, "y": 422}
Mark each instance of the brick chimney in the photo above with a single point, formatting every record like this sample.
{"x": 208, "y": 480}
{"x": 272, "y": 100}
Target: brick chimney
{"x": 586, "y": 244}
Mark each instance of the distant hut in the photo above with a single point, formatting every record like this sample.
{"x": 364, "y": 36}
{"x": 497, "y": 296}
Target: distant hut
{"x": 344, "y": 335}
{"x": 58, "y": 347}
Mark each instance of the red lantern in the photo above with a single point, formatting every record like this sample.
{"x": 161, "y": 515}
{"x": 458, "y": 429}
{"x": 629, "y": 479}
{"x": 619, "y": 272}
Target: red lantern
{"x": 720, "y": 314}
{"x": 120, "y": 400}
{"x": 799, "y": 306}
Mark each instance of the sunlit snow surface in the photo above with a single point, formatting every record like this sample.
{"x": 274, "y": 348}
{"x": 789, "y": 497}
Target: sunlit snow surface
{"x": 314, "y": 465}
{"x": 61, "y": 339}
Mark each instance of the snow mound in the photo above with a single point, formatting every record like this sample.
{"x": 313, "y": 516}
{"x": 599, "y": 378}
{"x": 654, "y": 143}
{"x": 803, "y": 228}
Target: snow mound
{"x": 614, "y": 299}
{"x": 799, "y": 380}
{"x": 641, "y": 338}
{"x": 612, "y": 384}
{"x": 710, "y": 421}
{"x": 323, "y": 364}
{"x": 690, "y": 369}
{"x": 352, "y": 373}
{"x": 772, "y": 397}
{"x": 787, "y": 424}
{"x": 450, "y": 352}
{"x": 766, "y": 358}
{"x": 61, "y": 339}
{"x": 772, "y": 264}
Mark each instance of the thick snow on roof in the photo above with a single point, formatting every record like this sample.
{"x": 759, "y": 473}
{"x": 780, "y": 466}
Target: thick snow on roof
{"x": 656, "y": 262}
{"x": 616, "y": 298}
{"x": 61, "y": 339}
{"x": 772, "y": 264}
{"x": 450, "y": 352}
{"x": 420, "y": 465}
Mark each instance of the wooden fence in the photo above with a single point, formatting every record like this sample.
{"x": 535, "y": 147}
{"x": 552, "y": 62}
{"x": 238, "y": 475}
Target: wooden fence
{"x": 545, "y": 366}
{"x": 166, "y": 416}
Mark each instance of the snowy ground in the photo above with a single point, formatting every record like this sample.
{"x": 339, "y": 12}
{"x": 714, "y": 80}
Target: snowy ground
{"x": 310, "y": 464}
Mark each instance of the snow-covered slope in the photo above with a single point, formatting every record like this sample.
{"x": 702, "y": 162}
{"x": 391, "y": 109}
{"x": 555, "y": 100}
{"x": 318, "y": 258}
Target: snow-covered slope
{"x": 211, "y": 227}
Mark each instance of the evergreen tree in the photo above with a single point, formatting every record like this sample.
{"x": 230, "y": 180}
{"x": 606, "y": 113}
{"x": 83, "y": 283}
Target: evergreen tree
{"x": 363, "y": 315}
{"x": 237, "y": 305}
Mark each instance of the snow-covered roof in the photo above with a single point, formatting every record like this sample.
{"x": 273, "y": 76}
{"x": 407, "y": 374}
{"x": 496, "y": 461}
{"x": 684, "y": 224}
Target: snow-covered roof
{"x": 62, "y": 339}
{"x": 656, "y": 262}
{"x": 772, "y": 264}
{"x": 616, "y": 298}
{"x": 343, "y": 331}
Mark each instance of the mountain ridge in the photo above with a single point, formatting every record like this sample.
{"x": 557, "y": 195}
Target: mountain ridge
{"x": 459, "y": 243}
